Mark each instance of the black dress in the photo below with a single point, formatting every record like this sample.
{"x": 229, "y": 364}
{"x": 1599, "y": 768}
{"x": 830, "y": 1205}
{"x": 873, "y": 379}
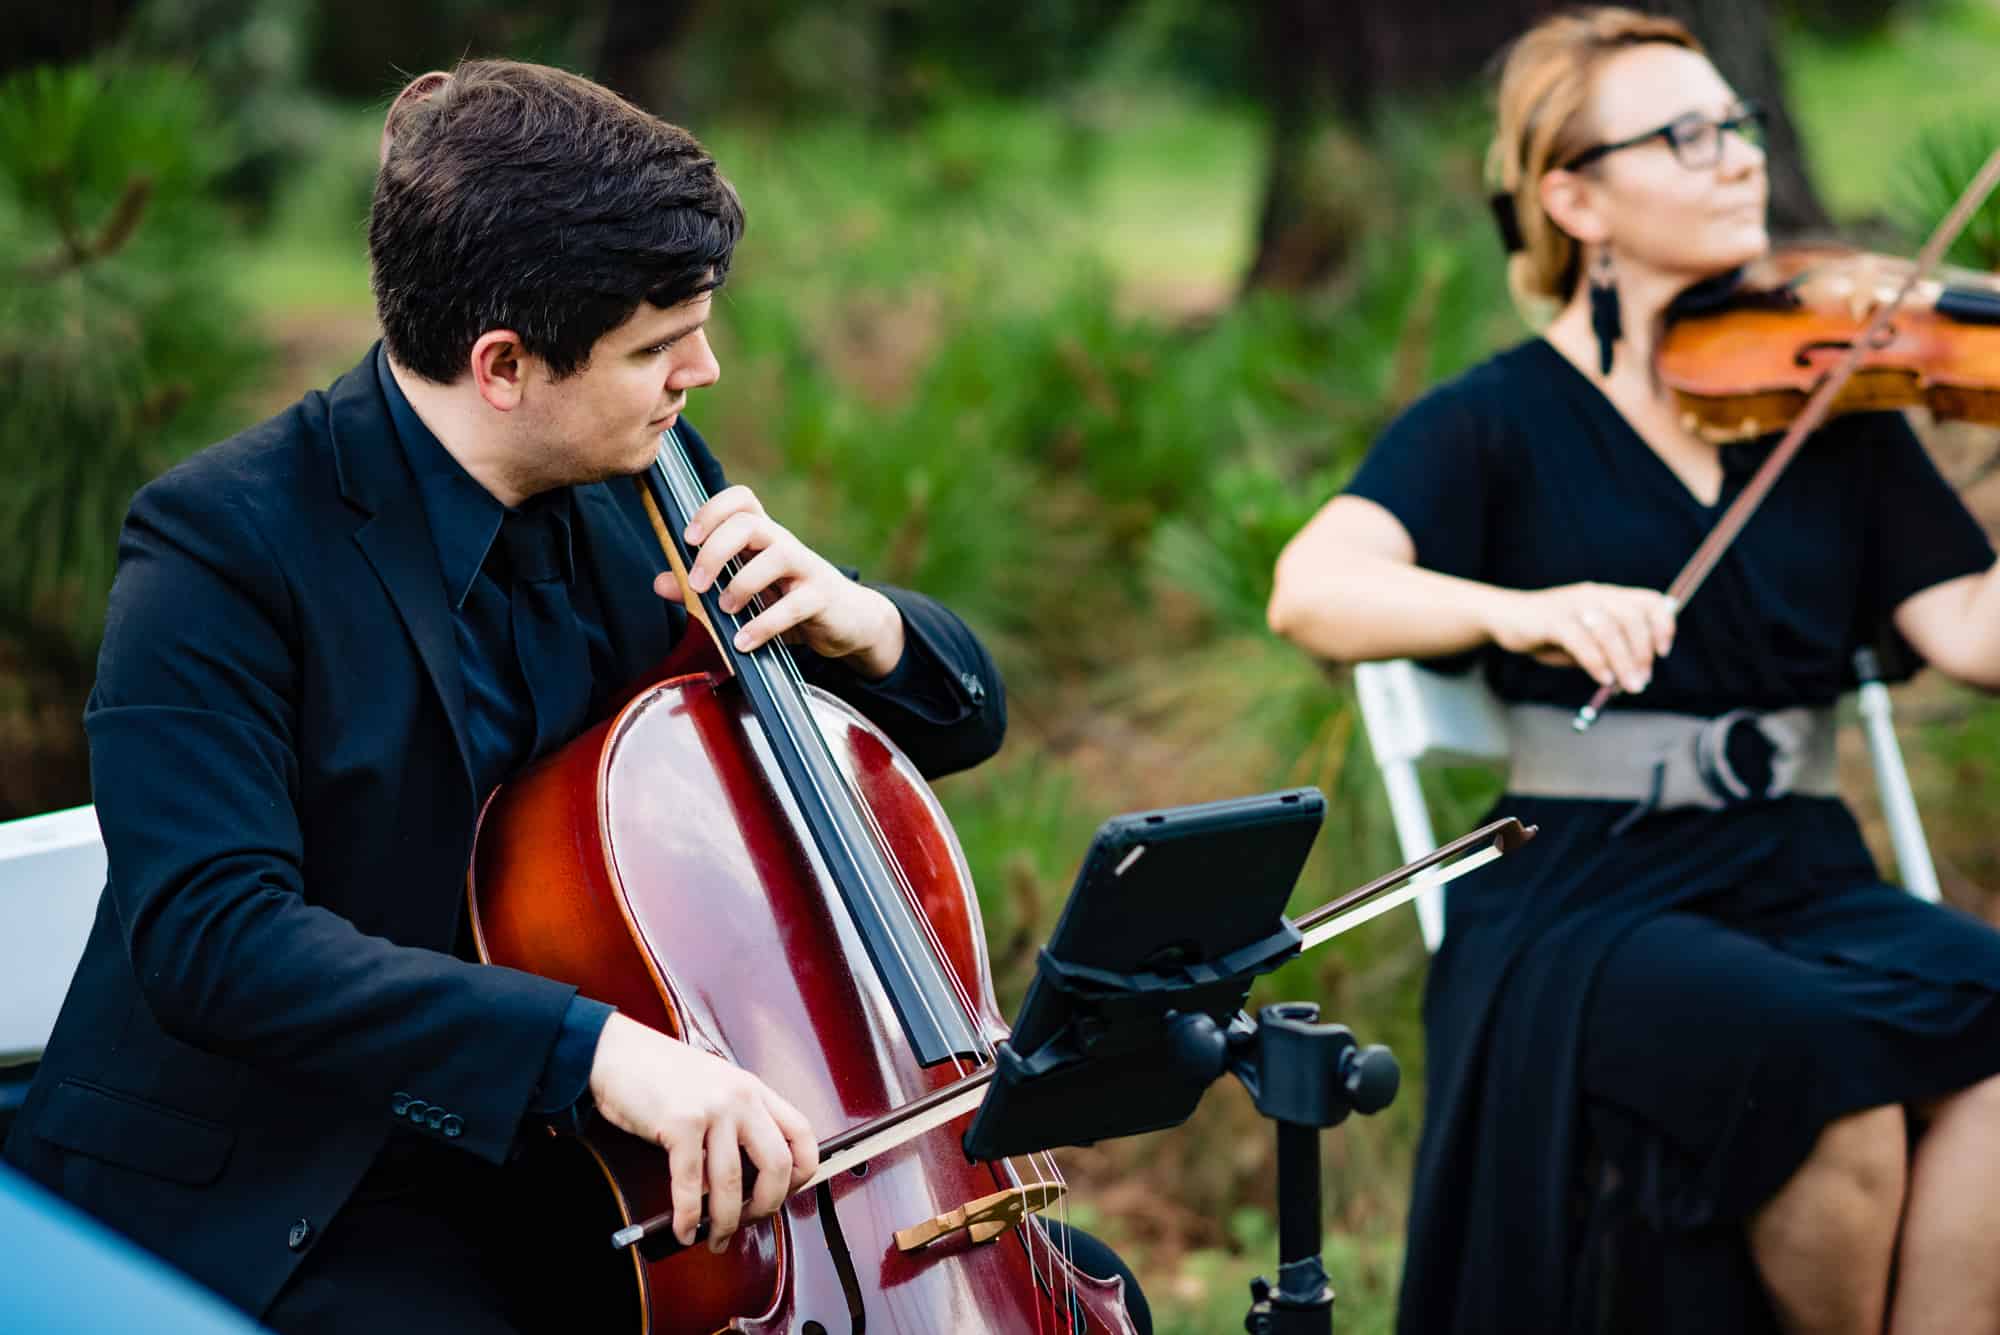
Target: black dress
{"x": 1635, "y": 1038}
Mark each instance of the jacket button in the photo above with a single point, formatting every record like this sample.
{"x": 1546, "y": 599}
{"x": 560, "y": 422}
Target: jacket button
{"x": 301, "y": 1234}
{"x": 434, "y": 1117}
{"x": 453, "y": 1124}
{"x": 975, "y": 689}
{"x": 416, "y": 1111}
{"x": 399, "y": 1103}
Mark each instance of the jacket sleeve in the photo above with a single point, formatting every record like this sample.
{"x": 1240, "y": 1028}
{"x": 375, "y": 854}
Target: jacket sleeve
{"x": 943, "y": 702}
{"x": 193, "y": 729}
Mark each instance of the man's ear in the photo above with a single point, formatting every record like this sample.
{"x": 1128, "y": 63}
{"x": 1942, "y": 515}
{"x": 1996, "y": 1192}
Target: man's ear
{"x": 500, "y": 368}
{"x": 1571, "y": 202}
{"x": 419, "y": 89}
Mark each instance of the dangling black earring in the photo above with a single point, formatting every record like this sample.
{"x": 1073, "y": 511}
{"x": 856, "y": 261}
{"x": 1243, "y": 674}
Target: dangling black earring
{"x": 1605, "y": 320}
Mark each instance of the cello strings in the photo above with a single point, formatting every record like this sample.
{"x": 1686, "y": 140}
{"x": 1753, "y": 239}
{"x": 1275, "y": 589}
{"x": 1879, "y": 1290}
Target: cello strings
{"x": 782, "y": 656}
{"x": 1045, "y": 1169}
{"x": 1039, "y": 1251}
{"x": 692, "y": 484}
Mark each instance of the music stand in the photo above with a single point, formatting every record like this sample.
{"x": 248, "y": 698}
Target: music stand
{"x": 1136, "y": 1008}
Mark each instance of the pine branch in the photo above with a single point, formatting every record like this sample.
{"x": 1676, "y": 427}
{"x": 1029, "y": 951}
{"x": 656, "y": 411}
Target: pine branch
{"x": 116, "y": 231}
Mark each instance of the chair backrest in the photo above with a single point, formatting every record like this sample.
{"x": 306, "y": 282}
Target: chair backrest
{"x": 51, "y": 874}
{"x": 1418, "y": 719}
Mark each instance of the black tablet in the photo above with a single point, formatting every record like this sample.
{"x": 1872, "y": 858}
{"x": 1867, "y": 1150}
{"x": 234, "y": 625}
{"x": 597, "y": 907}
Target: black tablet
{"x": 1174, "y": 910}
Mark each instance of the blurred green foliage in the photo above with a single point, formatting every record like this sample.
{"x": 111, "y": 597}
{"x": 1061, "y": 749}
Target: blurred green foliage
{"x": 783, "y": 58}
{"x": 1941, "y": 163}
{"x": 250, "y": 55}
{"x": 1865, "y": 94}
{"x": 121, "y": 347}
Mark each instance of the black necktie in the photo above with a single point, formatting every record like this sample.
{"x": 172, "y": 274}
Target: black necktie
{"x": 548, "y": 642}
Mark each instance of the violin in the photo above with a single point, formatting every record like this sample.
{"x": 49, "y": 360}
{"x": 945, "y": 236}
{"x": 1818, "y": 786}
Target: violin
{"x": 746, "y": 863}
{"x": 1743, "y": 354}
{"x": 1865, "y": 357}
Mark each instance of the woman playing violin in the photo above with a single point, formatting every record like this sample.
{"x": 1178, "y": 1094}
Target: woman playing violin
{"x": 1693, "y": 1065}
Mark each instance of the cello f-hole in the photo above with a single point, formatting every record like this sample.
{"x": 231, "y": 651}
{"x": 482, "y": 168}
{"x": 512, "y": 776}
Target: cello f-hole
{"x": 843, "y": 1261}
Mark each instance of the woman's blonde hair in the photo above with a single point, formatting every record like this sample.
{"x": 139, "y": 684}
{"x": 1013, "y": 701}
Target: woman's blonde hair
{"x": 1544, "y": 86}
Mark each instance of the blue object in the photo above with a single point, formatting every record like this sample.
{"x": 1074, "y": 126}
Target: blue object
{"x": 62, "y": 1271}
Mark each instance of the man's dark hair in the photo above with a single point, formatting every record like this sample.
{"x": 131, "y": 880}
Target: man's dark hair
{"x": 520, "y": 197}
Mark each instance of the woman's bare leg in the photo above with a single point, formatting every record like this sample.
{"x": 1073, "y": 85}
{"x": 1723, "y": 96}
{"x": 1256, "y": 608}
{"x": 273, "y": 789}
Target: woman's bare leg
{"x": 1823, "y": 1244}
{"x": 1948, "y": 1268}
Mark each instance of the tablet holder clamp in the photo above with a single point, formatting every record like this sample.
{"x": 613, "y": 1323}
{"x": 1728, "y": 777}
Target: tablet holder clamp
{"x": 1303, "y": 1076}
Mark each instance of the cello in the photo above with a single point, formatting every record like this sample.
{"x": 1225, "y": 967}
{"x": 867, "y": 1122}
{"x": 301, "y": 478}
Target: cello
{"x": 744, "y": 862}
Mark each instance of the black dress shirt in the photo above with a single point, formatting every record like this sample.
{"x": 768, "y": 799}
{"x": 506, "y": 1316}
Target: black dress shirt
{"x": 501, "y": 731}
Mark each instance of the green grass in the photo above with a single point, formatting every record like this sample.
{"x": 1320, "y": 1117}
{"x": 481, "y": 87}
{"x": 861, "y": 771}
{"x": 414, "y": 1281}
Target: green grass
{"x": 313, "y": 254}
{"x": 291, "y": 276}
{"x": 1210, "y": 1291}
{"x": 1174, "y": 201}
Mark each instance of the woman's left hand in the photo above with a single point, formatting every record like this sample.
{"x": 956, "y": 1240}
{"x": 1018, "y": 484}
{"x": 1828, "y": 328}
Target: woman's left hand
{"x": 807, "y": 600}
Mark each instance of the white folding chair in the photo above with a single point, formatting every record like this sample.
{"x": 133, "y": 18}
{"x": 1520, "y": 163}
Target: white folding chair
{"x": 1418, "y": 719}
{"x": 51, "y": 874}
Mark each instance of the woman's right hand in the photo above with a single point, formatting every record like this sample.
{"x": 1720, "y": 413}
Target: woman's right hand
{"x": 1612, "y": 632}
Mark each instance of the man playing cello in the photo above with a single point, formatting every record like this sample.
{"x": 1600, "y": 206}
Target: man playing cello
{"x": 330, "y": 637}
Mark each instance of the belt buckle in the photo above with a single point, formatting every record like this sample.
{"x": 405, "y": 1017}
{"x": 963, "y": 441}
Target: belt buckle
{"x": 1719, "y": 776}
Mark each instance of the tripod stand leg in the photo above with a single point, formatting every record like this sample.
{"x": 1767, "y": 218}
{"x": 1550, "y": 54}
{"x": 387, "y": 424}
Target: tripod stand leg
{"x": 1302, "y": 1301}
{"x": 1298, "y": 1193}
{"x": 1305, "y": 1077}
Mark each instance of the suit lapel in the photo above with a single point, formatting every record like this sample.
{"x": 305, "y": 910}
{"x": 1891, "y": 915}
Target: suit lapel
{"x": 394, "y": 535}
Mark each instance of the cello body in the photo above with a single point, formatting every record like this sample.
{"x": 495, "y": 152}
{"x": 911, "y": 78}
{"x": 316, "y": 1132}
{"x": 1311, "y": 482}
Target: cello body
{"x": 659, "y": 864}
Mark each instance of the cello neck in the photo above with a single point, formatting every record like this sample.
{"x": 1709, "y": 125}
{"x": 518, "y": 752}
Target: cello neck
{"x": 926, "y": 1001}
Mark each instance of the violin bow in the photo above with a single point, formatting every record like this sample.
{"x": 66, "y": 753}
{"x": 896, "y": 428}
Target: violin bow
{"x": 1717, "y": 542}
{"x": 867, "y": 1140}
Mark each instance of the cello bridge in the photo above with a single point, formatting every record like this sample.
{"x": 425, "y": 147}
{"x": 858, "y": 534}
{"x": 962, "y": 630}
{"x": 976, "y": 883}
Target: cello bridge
{"x": 984, "y": 1219}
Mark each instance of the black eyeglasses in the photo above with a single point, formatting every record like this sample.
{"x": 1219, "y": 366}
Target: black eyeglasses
{"x": 1696, "y": 139}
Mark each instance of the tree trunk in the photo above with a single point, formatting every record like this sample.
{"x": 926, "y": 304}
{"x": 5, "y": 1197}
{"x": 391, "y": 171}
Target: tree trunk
{"x": 1324, "y": 64}
{"x": 1738, "y": 36}
{"x": 1302, "y": 61}
{"x": 1319, "y": 60}
{"x": 638, "y": 34}
{"x": 60, "y": 34}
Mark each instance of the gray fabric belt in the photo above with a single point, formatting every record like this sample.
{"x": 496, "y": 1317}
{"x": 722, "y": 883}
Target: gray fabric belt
{"x": 1662, "y": 761}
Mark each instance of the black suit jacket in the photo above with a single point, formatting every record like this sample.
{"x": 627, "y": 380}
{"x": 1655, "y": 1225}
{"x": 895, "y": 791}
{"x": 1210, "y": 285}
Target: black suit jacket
{"x": 277, "y": 756}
